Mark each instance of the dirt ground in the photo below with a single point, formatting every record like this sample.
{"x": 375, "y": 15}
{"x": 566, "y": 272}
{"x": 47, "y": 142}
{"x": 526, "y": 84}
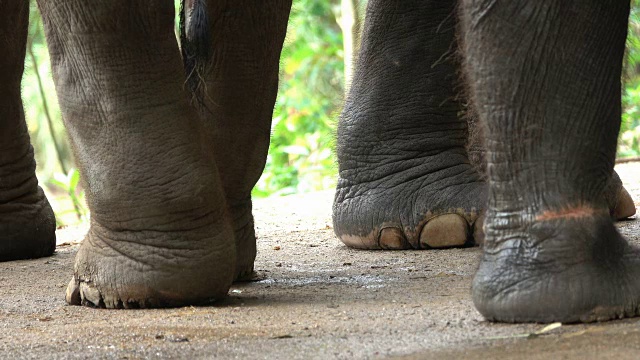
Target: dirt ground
{"x": 318, "y": 299}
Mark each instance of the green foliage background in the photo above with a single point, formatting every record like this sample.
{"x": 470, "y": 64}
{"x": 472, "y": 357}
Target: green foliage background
{"x": 302, "y": 153}
{"x": 629, "y": 139}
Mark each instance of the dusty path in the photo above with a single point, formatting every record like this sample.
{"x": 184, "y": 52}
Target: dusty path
{"x": 319, "y": 299}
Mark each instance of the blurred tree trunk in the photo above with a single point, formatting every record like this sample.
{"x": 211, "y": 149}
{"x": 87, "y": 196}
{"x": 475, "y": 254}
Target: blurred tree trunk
{"x": 350, "y": 21}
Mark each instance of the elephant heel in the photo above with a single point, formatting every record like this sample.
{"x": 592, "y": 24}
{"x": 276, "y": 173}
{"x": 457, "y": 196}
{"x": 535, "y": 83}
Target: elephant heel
{"x": 27, "y": 228}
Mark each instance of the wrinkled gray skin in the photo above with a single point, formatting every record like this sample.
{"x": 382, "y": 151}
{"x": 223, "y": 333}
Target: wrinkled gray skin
{"x": 169, "y": 168}
{"x": 27, "y": 224}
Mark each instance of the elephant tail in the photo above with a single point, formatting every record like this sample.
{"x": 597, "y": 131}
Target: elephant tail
{"x": 195, "y": 43}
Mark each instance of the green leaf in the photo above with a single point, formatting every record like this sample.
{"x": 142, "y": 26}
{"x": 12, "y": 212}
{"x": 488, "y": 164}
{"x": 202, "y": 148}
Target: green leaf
{"x": 74, "y": 176}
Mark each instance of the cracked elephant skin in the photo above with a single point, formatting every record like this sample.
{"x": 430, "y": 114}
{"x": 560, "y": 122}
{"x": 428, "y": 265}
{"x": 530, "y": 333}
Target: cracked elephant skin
{"x": 170, "y": 140}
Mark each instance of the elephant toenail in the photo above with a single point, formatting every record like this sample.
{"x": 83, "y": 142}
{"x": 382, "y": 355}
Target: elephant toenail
{"x": 478, "y": 230}
{"x": 90, "y": 295}
{"x": 625, "y": 206}
{"x": 72, "y": 295}
{"x": 392, "y": 239}
{"x": 444, "y": 231}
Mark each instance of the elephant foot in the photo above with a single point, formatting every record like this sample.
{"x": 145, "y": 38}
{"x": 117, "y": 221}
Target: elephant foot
{"x": 566, "y": 266}
{"x": 438, "y": 209}
{"x": 143, "y": 269}
{"x": 27, "y": 227}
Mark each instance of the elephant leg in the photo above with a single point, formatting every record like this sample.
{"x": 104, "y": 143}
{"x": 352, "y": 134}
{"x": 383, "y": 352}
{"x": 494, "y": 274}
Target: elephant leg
{"x": 621, "y": 205}
{"x": 159, "y": 233}
{"x": 232, "y": 51}
{"x": 405, "y": 179}
{"x": 27, "y": 223}
{"x": 545, "y": 78}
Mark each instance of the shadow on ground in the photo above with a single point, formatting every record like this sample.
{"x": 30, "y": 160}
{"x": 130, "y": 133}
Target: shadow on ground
{"x": 317, "y": 299}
